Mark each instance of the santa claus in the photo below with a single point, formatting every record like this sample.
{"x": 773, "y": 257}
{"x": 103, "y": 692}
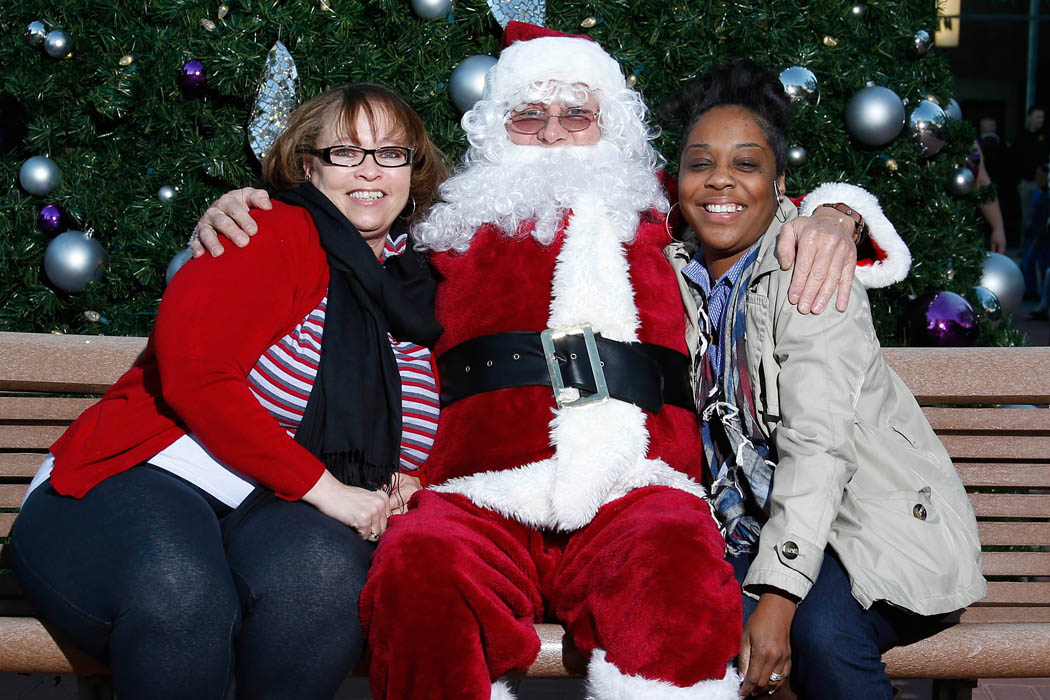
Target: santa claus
{"x": 565, "y": 479}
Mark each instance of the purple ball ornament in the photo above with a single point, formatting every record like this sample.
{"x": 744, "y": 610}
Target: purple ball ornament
{"x": 941, "y": 319}
{"x": 52, "y": 219}
{"x": 192, "y": 77}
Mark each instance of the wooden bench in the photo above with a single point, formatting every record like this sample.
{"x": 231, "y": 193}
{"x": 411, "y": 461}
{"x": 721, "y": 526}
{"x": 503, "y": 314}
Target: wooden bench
{"x": 1002, "y": 454}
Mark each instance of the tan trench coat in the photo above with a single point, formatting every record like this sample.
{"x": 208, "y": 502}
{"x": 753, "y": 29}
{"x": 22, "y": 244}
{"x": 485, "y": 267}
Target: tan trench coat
{"x": 860, "y": 469}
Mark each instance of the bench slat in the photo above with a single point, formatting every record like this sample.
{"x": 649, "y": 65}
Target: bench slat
{"x": 30, "y": 437}
{"x": 6, "y": 521}
{"x": 1014, "y": 534}
{"x": 23, "y": 465}
{"x": 64, "y": 363}
{"x": 1006, "y": 615}
{"x": 989, "y": 420}
{"x": 27, "y": 647}
{"x": 1011, "y": 476}
{"x": 973, "y": 375}
{"x": 1015, "y": 594}
{"x": 32, "y": 408}
{"x": 1016, "y": 564}
{"x": 984, "y": 650}
{"x": 1010, "y": 505}
{"x": 996, "y": 447}
{"x": 11, "y": 495}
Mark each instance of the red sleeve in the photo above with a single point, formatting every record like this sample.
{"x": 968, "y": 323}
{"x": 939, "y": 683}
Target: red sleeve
{"x": 215, "y": 320}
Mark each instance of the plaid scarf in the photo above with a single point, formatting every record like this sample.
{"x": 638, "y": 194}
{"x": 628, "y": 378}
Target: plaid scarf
{"x": 740, "y": 460}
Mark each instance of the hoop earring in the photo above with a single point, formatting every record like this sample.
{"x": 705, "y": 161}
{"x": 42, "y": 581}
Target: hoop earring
{"x": 409, "y": 214}
{"x": 777, "y": 197}
{"x": 667, "y": 219}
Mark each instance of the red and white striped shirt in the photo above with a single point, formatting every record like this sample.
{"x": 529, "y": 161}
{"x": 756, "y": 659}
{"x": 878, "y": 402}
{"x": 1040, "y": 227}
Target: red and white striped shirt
{"x": 282, "y": 380}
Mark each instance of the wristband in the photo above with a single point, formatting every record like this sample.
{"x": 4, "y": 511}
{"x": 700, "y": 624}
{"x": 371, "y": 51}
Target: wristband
{"x": 860, "y": 229}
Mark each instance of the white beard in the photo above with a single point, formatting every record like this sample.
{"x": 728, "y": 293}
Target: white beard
{"x": 539, "y": 183}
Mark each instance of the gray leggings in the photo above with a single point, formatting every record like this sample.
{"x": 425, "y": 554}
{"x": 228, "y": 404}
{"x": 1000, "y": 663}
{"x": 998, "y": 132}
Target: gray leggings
{"x": 135, "y": 574}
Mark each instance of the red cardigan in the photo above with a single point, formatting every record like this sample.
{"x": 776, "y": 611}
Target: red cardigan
{"x": 215, "y": 320}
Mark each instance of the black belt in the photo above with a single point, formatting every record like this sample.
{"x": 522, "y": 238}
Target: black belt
{"x": 644, "y": 374}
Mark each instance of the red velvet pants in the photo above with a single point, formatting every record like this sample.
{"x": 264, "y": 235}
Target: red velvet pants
{"x": 454, "y": 591}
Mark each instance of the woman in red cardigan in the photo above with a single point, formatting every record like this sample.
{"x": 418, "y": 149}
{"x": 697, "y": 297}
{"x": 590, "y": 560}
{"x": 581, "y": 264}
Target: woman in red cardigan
{"x": 198, "y": 523}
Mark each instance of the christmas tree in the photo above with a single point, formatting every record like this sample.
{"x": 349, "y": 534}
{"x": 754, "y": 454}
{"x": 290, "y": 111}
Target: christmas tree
{"x": 144, "y": 138}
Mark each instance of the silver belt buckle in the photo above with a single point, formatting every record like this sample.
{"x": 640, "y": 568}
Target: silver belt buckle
{"x": 547, "y": 338}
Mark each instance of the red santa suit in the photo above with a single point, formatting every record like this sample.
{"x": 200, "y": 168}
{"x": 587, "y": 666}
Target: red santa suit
{"x": 590, "y": 515}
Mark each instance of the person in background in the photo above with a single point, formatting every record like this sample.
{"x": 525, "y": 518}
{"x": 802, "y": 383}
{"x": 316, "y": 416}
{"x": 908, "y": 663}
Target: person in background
{"x": 214, "y": 514}
{"x": 1028, "y": 151}
{"x": 1036, "y": 261}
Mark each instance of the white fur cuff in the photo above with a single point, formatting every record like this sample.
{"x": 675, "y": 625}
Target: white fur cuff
{"x": 501, "y": 691}
{"x": 606, "y": 682}
{"x": 895, "y": 262}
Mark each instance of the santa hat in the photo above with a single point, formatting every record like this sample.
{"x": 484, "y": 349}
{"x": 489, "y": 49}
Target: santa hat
{"x": 534, "y": 54}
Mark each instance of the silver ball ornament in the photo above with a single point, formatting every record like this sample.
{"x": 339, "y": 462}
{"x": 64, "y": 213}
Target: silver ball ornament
{"x": 797, "y": 156}
{"x": 874, "y": 115}
{"x": 432, "y": 9}
{"x": 800, "y": 84}
{"x": 922, "y": 42}
{"x": 1003, "y": 278}
{"x": 961, "y": 182}
{"x": 180, "y": 259}
{"x": 166, "y": 193}
{"x": 953, "y": 111}
{"x": 58, "y": 44}
{"x": 73, "y": 260}
{"x": 927, "y": 122}
{"x": 39, "y": 175}
{"x": 988, "y": 306}
{"x": 35, "y": 33}
{"x": 467, "y": 82}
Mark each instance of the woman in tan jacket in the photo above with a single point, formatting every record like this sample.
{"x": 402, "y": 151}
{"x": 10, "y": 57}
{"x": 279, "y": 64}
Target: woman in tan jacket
{"x": 844, "y": 517}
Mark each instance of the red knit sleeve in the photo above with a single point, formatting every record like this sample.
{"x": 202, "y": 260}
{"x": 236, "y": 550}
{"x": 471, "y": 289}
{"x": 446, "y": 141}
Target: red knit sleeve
{"x": 216, "y": 319}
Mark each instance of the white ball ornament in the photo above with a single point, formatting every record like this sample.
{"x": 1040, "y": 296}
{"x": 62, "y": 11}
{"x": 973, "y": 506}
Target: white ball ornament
{"x": 875, "y": 115}
{"x": 39, "y": 175}
{"x": 73, "y": 260}
{"x": 35, "y": 33}
{"x": 467, "y": 82}
{"x": 927, "y": 122}
{"x": 432, "y": 9}
{"x": 180, "y": 259}
{"x": 796, "y": 156}
{"x": 800, "y": 84}
{"x": 1003, "y": 278}
{"x": 58, "y": 44}
{"x": 961, "y": 182}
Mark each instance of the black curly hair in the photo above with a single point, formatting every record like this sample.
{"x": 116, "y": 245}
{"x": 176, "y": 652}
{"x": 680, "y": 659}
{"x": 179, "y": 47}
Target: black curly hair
{"x": 741, "y": 83}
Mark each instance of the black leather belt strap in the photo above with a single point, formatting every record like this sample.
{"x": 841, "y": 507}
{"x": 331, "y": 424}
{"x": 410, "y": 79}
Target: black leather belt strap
{"x": 644, "y": 374}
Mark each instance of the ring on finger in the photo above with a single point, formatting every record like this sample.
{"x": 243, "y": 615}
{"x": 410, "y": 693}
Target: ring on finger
{"x": 776, "y": 677}
{"x": 373, "y": 536}
{"x": 195, "y": 236}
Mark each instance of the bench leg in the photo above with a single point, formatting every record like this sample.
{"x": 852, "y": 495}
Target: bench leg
{"x": 94, "y": 688}
{"x": 953, "y": 689}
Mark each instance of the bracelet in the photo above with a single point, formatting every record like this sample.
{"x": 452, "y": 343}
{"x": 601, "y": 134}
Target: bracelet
{"x": 860, "y": 229}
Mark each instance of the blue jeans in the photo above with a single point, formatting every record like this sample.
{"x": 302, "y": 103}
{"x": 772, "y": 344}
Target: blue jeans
{"x": 836, "y": 645}
{"x": 136, "y": 574}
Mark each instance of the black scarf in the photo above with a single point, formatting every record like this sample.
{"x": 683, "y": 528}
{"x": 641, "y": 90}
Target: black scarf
{"x": 352, "y": 420}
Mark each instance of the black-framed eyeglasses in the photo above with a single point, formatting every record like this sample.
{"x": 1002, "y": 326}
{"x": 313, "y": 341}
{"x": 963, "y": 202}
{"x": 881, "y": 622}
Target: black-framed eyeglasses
{"x": 532, "y": 121}
{"x": 352, "y": 156}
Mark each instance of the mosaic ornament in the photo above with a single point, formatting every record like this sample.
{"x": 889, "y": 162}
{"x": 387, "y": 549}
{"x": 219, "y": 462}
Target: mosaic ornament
{"x": 529, "y": 11}
{"x": 277, "y": 96}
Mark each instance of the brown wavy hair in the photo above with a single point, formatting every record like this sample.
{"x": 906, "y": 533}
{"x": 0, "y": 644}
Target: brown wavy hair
{"x": 283, "y": 165}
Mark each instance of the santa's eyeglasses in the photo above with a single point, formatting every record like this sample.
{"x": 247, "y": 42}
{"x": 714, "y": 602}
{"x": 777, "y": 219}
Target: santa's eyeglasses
{"x": 533, "y": 121}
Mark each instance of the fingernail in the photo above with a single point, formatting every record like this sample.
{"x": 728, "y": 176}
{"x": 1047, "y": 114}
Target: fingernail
{"x": 803, "y": 308}
{"x": 242, "y": 241}
{"x": 818, "y": 308}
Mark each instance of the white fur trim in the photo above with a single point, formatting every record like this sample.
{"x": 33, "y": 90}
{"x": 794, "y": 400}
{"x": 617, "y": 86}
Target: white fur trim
{"x": 564, "y": 59}
{"x": 501, "y": 691}
{"x": 600, "y": 449}
{"x": 606, "y": 682}
{"x": 882, "y": 273}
